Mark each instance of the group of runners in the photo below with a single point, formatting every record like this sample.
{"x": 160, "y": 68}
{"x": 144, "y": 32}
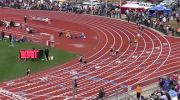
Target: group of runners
{"x": 114, "y": 53}
{"x": 138, "y": 36}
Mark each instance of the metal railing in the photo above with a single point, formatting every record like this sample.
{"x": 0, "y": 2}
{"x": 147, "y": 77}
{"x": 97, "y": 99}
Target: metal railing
{"x": 131, "y": 94}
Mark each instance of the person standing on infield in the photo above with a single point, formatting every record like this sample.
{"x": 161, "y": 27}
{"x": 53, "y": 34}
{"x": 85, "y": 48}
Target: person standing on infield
{"x": 28, "y": 71}
{"x": 46, "y": 51}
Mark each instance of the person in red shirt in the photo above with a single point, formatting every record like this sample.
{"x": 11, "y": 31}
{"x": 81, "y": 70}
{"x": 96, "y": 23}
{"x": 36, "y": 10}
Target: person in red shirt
{"x": 177, "y": 87}
{"x": 175, "y": 77}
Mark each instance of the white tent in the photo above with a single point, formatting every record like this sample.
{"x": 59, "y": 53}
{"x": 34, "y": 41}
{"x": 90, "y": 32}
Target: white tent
{"x": 93, "y": 3}
{"x": 132, "y": 6}
{"x": 59, "y": 0}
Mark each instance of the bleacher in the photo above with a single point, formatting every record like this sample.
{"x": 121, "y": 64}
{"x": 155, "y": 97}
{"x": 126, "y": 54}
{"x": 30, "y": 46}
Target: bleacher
{"x": 148, "y": 92}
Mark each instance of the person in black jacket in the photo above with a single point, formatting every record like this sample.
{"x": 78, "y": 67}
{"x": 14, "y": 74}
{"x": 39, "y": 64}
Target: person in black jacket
{"x": 46, "y": 51}
{"x": 101, "y": 94}
{"x": 10, "y": 38}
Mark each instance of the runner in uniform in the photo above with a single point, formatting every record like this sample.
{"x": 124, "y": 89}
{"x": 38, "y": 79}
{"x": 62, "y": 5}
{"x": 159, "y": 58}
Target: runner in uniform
{"x": 116, "y": 53}
{"x": 111, "y": 51}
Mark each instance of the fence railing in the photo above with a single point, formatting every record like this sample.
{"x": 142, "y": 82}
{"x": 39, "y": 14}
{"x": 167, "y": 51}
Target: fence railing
{"x": 131, "y": 94}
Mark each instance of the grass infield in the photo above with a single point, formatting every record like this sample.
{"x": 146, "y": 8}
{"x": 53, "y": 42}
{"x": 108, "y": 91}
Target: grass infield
{"x": 174, "y": 24}
{"x": 11, "y": 67}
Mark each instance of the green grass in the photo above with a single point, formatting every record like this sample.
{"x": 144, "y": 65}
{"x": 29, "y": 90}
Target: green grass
{"x": 11, "y": 67}
{"x": 174, "y": 24}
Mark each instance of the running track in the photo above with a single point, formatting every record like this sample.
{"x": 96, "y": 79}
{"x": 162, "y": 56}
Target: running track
{"x": 153, "y": 56}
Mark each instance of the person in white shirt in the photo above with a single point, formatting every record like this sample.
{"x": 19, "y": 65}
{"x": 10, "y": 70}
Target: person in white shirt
{"x": 177, "y": 15}
{"x": 163, "y": 96}
{"x": 164, "y": 19}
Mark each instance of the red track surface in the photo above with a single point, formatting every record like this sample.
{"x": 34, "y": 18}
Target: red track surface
{"x": 153, "y": 56}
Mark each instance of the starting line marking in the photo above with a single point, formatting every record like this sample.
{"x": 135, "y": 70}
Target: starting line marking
{"x": 10, "y": 83}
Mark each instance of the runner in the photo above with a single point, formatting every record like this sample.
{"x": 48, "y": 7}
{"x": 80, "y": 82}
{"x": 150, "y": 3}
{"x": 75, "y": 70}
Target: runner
{"x": 135, "y": 40}
{"x": 111, "y": 51}
{"x": 116, "y": 54}
{"x": 60, "y": 34}
{"x": 138, "y": 36}
{"x": 85, "y": 63}
{"x": 130, "y": 41}
{"x": 141, "y": 29}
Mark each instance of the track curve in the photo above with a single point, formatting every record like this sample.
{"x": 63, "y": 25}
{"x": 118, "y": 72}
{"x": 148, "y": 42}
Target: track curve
{"x": 141, "y": 63}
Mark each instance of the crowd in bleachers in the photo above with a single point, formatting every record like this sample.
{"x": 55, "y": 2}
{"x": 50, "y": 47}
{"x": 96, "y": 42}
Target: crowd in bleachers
{"x": 158, "y": 21}
{"x": 169, "y": 89}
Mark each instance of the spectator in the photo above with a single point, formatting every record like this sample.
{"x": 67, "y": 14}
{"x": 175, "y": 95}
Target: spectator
{"x": 163, "y": 96}
{"x": 175, "y": 77}
{"x": 166, "y": 85}
{"x": 161, "y": 83}
{"x": 177, "y": 87}
{"x": 101, "y": 94}
{"x": 168, "y": 96}
{"x": 173, "y": 94}
{"x": 128, "y": 18}
{"x": 177, "y": 20}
